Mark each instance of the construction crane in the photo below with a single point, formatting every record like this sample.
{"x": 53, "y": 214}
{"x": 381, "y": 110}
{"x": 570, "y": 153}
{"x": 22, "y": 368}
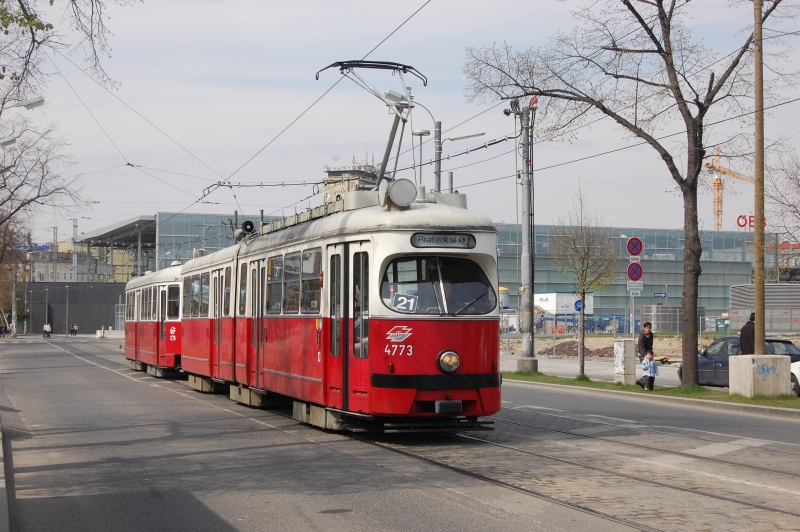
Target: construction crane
{"x": 714, "y": 167}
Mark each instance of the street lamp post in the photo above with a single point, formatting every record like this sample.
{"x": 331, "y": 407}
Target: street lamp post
{"x": 46, "y": 306}
{"x": 66, "y": 319}
{"x": 420, "y": 133}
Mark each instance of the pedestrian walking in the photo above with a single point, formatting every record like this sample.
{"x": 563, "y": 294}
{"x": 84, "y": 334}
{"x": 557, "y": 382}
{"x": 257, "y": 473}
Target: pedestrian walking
{"x": 47, "y": 330}
{"x": 645, "y": 344}
{"x": 650, "y": 371}
{"x": 76, "y": 330}
{"x": 44, "y": 331}
{"x": 747, "y": 336}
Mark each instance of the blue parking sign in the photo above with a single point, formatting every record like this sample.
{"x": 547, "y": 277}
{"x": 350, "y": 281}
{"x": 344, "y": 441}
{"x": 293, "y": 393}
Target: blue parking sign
{"x": 578, "y": 306}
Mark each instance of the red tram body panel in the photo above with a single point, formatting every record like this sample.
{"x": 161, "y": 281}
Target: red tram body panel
{"x": 359, "y": 313}
{"x": 152, "y": 319}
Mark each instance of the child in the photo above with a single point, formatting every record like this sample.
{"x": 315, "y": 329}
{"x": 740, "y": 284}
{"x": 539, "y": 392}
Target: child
{"x": 650, "y": 370}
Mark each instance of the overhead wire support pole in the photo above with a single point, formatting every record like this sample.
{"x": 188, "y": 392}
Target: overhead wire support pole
{"x": 760, "y": 305}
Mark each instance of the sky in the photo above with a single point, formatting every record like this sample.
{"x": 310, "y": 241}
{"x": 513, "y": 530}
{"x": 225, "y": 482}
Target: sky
{"x": 222, "y": 79}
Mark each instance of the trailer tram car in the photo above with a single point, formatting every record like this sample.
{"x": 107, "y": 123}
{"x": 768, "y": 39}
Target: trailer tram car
{"x": 367, "y": 317}
{"x": 152, "y": 322}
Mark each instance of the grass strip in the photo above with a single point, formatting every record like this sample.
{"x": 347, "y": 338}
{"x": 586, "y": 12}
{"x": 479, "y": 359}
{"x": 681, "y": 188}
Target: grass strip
{"x": 693, "y": 392}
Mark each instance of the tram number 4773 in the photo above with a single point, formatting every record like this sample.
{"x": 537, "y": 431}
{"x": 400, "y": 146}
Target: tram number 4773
{"x": 399, "y": 350}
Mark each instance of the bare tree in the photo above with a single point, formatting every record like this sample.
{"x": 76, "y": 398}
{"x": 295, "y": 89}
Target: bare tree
{"x": 32, "y": 165}
{"x": 31, "y": 174}
{"x": 783, "y": 201}
{"x": 582, "y": 248}
{"x": 636, "y": 62}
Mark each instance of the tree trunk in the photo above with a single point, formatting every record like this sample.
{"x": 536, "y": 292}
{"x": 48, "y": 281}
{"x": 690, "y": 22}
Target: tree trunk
{"x": 582, "y": 333}
{"x": 691, "y": 278}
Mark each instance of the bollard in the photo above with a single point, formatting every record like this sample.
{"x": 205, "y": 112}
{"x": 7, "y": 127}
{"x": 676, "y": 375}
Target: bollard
{"x": 625, "y": 361}
{"x": 766, "y": 375}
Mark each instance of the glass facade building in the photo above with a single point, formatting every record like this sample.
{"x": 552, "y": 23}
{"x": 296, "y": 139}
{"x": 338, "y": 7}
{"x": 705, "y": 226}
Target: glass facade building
{"x": 727, "y": 260}
{"x": 179, "y": 234}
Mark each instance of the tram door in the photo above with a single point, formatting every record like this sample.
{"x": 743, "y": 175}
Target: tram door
{"x": 161, "y": 350}
{"x": 216, "y": 314}
{"x": 337, "y": 317}
{"x": 258, "y": 334}
{"x": 358, "y": 338}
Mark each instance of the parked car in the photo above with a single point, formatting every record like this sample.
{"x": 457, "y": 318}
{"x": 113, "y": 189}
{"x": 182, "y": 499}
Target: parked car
{"x": 796, "y": 378}
{"x": 712, "y": 362}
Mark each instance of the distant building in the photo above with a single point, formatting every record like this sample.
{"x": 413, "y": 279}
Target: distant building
{"x": 341, "y": 179}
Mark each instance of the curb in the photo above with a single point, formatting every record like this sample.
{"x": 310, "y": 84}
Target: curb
{"x": 772, "y": 411}
{"x": 5, "y": 520}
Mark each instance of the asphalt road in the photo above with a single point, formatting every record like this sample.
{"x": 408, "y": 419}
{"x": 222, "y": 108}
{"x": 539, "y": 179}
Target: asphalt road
{"x": 614, "y": 408}
{"x": 97, "y": 446}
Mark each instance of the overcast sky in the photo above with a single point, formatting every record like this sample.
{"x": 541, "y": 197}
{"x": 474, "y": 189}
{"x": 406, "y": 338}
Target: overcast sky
{"x": 224, "y": 78}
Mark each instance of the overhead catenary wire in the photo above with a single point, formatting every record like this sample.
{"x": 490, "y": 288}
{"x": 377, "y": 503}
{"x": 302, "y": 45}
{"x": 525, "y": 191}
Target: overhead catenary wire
{"x": 608, "y": 152}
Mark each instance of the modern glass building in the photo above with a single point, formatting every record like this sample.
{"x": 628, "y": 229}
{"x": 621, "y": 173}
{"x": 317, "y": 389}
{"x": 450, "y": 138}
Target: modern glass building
{"x": 727, "y": 260}
{"x": 148, "y": 243}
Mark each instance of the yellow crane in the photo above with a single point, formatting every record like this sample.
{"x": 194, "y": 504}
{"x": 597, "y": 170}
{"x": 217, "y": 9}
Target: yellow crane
{"x": 716, "y": 168}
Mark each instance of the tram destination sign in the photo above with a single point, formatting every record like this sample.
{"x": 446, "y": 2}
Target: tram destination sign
{"x": 443, "y": 240}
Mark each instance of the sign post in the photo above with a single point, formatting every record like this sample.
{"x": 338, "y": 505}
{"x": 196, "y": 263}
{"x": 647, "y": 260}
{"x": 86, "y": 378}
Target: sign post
{"x": 635, "y": 274}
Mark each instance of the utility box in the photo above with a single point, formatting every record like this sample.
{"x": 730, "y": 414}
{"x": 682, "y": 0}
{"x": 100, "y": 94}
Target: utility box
{"x": 625, "y": 361}
{"x": 752, "y": 375}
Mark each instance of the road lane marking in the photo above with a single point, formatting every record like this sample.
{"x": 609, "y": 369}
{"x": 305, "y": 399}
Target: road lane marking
{"x": 538, "y": 408}
{"x": 614, "y": 418}
{"x": 588, "y": 431}
{"x": 112, "y": 370}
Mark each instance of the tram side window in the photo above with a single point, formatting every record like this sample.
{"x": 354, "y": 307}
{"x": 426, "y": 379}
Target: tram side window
{"x": 127, "y": 306}
{"x": 195, "y": 296}
{"x": 154, "y": 303}
{"x": 291, "y": 283}
{"x": 173, "y": 301}
{"x": 145, "y": 304}
{"x": 274, "y": 286}
{"x": 334, "y": 281}
{"x": 360, "y": 304}
{"x": 205, "y": 278}
{"x": 243, "y": 290}
{"x": 227, "y": 296}
{"x": 187, "y": 297}
{"x": 311, "y": 289}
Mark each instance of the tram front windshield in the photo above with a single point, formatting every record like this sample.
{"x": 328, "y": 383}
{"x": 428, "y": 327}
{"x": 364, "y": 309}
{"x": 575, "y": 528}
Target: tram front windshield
{"x": 437, "y": 285}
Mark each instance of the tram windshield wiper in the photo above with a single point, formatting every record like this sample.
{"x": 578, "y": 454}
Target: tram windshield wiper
{"x": 470, "y": 303}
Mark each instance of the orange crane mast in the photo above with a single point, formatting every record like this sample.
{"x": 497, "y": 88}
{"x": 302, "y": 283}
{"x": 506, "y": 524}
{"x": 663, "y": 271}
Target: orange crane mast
{"x": 716, "y": 168}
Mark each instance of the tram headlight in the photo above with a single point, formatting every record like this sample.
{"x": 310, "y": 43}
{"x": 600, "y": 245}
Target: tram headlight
{"x": 449, "y": 361}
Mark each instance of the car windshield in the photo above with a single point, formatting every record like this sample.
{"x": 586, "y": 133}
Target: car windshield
{"x": 437, "y": 285}
{"x": 781, "y": 348}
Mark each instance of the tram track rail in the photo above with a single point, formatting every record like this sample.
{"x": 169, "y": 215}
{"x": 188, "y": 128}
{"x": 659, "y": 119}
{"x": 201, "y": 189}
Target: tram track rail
{"x": 648, "y": 447}
{"x": 542, "y": 495}
{"x": 655, "y": 430}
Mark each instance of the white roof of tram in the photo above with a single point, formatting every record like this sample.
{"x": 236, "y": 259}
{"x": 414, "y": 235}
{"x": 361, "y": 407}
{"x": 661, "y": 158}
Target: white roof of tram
{"x": 167, "y": 275}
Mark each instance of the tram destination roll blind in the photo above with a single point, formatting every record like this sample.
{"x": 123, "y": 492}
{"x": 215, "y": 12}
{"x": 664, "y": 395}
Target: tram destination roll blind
{"x": 443, "y": 240}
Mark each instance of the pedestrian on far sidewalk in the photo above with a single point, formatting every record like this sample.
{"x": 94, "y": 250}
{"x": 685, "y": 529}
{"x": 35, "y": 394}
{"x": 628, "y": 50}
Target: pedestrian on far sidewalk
{"x": 650, "y": 370}
{"x": 645, "y": 344}
{"x": 747, "y": 336}
{"x": 44, "y": 331}
{"x": 75, "y": 330}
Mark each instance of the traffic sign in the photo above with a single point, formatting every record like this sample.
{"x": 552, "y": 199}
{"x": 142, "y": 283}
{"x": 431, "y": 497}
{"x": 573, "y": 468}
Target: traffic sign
{"x": 660, "y": 294}
{"x": 636, "y": 293}
{"x": 635, "y": 246}
{"x": 635, "y": 285}
{"x": 635, "y": 271}
{"x": 578, "y": 306}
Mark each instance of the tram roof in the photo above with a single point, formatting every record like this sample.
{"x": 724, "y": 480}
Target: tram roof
{"x": 371, "y": 219}
{"x": 171, "y": 274}
{"x": 420, "y": 216}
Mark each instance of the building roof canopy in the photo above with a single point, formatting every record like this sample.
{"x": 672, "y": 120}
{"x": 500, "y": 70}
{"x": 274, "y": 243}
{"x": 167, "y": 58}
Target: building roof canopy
{"x": 125, "y": 232}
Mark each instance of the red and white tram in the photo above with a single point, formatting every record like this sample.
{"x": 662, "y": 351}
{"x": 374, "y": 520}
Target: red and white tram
{"x": 366, "y": 316}
{"x": 152, "y": 321}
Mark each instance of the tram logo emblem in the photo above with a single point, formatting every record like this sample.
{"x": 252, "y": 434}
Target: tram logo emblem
{"x": 173, "y": 330}
{"x": 398, "y": 333}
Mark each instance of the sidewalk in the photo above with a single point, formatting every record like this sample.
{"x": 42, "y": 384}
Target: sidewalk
{"x": 594, "y": 369}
